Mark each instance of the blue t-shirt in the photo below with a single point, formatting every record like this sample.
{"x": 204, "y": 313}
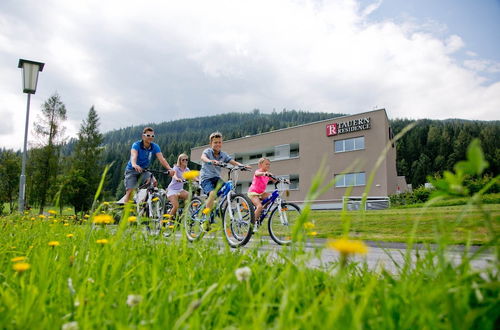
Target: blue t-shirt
{"x": 209, "y": 170}
{"x": 144, "y": 156}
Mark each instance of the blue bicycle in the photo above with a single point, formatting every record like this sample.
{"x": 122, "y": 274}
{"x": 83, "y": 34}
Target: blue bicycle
{"x": 232, "y": 207}
{"x": 282, "y": 215}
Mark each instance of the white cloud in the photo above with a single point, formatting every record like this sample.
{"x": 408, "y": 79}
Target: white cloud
{"x": 159, "y": 61}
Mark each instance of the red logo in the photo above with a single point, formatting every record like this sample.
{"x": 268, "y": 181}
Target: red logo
{"x": 331, "y": 129}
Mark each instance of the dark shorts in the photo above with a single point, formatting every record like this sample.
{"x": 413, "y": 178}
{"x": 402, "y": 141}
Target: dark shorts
{"x": 132, "y": 178}
{"x": 210, "y": 184}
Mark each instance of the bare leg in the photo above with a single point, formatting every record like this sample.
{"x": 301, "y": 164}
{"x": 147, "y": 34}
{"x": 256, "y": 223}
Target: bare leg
{"x": 127, "y": 195}
{"x": 175, "y": 204}
{"x": 258, "y": 206}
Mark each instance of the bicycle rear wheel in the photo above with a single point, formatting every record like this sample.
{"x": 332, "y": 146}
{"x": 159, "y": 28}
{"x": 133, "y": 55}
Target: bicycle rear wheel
{"x": 281, "y": 222}
{"x": 194, "y": 220}
{"x": 238, "y": 218}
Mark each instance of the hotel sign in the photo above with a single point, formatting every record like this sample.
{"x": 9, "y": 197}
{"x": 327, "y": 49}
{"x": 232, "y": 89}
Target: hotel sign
{"x": 348, "y": 126}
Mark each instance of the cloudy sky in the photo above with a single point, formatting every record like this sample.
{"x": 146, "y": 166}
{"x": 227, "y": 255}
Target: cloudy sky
{"x": 152, "y": 61}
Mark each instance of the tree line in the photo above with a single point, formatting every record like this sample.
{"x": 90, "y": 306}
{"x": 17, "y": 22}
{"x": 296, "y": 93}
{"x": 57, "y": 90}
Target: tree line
{"x": 67, "y": 172}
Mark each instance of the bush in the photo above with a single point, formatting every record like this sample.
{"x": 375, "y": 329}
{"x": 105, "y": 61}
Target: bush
{"x": 419, "y": 195}
{"x": 476, "y": 184}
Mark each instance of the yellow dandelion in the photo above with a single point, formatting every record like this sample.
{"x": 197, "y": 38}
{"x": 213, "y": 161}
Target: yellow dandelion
{"x": 102, "y": 241}
{"x": 32, "y": 218}
{"x": 312, "y": 233}
{"x": 86, "y": 216}
{"x": 66, "y": 224}
{"x": 156, "y": 199}
{"x": 21, "y": 266}
{"x": 191, "y": 175}
{"x": 308, "y": 225}
{"x": 52, "y": 212}
{"x": 206, "y": 210}
{"x": 168, "y": 216}
{"x": 41, "y": 216}
{"x": 103, "y": 219}
{"x": 105, "y": 203}
{"x": 18, "y": 259}
{"x": 54, "y": 243}
{"x": 132, "y": 219}
{"x": 347, "y": 247}
{"x": 171, "y": 226}
{"x": 70, "y": 236}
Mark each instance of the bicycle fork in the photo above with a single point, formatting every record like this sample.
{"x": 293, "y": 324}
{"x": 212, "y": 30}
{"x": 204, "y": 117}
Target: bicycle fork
{"x": 283, "y": 215}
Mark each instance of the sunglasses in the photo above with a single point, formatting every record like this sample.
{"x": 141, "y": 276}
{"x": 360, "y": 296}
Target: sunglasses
{"x": 184, "y": 160}
{"x": 149, "y": 135}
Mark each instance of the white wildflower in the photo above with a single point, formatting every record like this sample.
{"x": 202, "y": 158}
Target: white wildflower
{"x": 133, "y": 300}
{"x": 70, "y": 286}
{"x": 70, "y": 326}
{"x": 243, "y": 274}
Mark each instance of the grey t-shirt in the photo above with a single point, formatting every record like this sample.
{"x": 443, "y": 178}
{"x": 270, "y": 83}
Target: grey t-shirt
{"x": 209, "y": 170}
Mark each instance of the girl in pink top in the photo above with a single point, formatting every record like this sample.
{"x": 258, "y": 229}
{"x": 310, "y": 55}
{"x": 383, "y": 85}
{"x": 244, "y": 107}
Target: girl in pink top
{"x": 257, "y": 191}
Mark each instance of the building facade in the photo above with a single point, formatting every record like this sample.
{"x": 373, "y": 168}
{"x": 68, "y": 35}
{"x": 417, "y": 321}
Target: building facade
{"x": 349, "y": 146}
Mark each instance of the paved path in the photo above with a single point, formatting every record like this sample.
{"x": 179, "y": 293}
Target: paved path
{"x": 379, "y": 254}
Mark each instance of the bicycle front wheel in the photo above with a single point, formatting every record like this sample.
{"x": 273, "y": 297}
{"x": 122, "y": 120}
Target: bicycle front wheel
{"x": 194, "y": 220}
{"x": 156, "y": 214}
{"x": 238, "y": 218}
{"x": 281, "y": 222}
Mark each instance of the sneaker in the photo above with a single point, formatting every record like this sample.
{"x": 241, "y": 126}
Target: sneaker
{"x": 256, "y": 227}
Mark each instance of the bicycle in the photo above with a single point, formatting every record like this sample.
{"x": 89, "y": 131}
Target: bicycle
{"x": 150, "y": 202}
{"x": 282, "y": 215}
{"x": 171, "y": 224}
{"x": 232, "y": 205}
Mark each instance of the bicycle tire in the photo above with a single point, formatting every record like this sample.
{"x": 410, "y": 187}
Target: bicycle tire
{"x": 281, "y": 229}
{"x": 194, "y": 220}
{"x": 238, "y": 229}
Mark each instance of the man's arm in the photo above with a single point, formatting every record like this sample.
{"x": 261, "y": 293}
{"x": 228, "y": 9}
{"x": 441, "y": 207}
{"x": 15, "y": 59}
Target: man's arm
{"x": 165, "y": 164}
{"x": 133, "y": 160}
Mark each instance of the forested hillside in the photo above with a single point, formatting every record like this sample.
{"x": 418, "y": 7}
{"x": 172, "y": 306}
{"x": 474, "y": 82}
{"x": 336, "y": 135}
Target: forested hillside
{"x": 436, "y": 145}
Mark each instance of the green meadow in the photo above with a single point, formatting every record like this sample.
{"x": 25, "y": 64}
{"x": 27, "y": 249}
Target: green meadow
{"x": 61, "y": 273}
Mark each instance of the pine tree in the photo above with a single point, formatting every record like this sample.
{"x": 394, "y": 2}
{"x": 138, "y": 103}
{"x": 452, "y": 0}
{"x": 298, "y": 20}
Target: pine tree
{"x": 86, "y": 165}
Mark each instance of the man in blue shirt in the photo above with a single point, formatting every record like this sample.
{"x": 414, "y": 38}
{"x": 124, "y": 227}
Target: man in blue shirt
{"x": 142, "y": 154}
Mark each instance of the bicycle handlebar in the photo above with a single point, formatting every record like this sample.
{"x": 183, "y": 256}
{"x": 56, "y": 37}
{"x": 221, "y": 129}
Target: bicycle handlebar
{"x": 156, "y": 171}
{"x": 278, "y": 180}
{"x": 232, "y": 167}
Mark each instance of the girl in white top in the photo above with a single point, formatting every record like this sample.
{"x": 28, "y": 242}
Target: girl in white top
{"x": 175, "y": 189}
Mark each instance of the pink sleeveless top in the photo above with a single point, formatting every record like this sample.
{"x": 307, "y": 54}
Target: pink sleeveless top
{"x": 259, "y": 184}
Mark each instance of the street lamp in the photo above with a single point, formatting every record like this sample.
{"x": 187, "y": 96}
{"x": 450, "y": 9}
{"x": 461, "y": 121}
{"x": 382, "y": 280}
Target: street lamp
{"x": 30, "y": 79}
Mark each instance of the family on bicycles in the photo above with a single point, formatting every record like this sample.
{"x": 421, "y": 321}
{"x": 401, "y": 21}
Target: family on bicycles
{"x": 239, "y": 212}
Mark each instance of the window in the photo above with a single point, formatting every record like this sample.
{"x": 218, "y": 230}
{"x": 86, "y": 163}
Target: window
{"x": 357, "y": 143}
{"x": 282, "y": 151}
{"x": 350, "y": 179}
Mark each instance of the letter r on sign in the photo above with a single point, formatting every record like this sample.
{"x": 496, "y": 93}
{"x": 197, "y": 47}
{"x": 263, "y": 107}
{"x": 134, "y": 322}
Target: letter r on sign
{"x": 331, "y": 129}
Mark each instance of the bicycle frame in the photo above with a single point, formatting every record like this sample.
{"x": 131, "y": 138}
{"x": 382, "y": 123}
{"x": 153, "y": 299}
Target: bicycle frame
{"x": 270, "y": 203}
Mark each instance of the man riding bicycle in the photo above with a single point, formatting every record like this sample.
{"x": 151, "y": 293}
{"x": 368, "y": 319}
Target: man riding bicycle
{"x": 142, "y": 154}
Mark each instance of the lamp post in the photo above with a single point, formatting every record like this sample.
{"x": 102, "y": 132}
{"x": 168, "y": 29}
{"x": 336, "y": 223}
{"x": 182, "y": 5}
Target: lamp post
{"x": 30, "y": 79}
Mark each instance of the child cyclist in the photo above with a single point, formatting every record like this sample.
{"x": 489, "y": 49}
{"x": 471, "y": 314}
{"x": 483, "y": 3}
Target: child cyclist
{"x": 257, "y": 191}
{"x": 210, "y": 173}
{"x": 175, "y": 190}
